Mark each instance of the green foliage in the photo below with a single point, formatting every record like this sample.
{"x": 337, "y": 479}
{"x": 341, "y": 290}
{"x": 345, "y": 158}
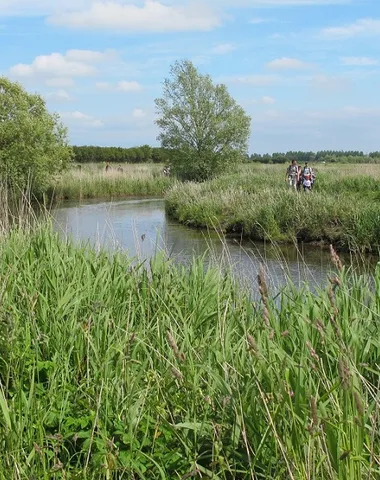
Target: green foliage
{"x": 342, "y": 208}
{"x": 145, "y": 153}
{"x": 114, "y": 371}
{"x": 33, "y": 142}
{"x": 329, "y": 156}
{"x": 200, "y": 123}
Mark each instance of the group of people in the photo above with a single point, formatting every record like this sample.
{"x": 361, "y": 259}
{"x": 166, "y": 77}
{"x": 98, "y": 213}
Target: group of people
{"x": 108, "y": 168}
{"x": 298, "y": 177}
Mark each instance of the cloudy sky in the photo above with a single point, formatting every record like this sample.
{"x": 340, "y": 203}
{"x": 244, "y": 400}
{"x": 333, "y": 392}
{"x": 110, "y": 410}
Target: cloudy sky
{"x": 307, "y": 71}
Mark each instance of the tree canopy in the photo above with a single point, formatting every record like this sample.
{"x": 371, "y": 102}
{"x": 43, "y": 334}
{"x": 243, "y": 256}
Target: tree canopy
{"x": 201, "y": 123}
{"x": 33, "y": 142}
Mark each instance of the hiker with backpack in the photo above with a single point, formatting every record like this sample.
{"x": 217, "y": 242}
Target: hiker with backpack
{"x": 293, "y": 174}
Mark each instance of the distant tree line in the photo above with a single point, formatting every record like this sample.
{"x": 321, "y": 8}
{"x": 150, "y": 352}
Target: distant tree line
{"x": 145, "y": 153}
{"x": 142, "y": 154}
{"x": 328, "y": 156}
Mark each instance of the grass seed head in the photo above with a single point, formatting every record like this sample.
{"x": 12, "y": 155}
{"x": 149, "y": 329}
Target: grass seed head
{"x": 313, "y": 353}
{"x": 314, "y": 413}
{"x": 263, "y": 286}
{"x": 335, "y": 259}
{"x": 252, "y": 345}
{"x": 358, "y": 403}
{"x": 176, "y": 374}
{"x": 344, "y": 373}
{"x": 266, "y": 316}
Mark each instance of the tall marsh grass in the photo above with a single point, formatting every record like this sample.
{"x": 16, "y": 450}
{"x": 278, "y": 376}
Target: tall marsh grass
{"x": 342, "y": 209}
{"x": 92, "y": 181}
{"x": 114, "y": 371}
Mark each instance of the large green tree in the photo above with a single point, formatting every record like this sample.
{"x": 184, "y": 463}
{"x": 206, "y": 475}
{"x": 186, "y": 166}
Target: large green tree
{"x": 201, "y": 123}
{"x": 33, "y": 142}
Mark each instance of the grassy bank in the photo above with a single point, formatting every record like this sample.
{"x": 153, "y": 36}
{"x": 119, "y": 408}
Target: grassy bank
{"x": 108, "y": 371}
{"x": 342, "y": 209}
{"x": 92, "y": 181}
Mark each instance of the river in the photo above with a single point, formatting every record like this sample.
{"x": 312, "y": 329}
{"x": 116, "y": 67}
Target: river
{"x": 140, "y": 227}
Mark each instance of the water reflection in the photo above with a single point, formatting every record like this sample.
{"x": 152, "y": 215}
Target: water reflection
{"x": 140, "y": 227}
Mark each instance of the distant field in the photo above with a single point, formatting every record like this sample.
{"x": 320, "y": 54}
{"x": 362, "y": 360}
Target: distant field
{"x": 92, "y": 181}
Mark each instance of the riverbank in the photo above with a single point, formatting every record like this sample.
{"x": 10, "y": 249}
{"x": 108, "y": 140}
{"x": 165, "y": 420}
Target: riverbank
{"x": 111, "y": 371}
{"x": 256, "y": 203}
{"x": 92, "y": 181}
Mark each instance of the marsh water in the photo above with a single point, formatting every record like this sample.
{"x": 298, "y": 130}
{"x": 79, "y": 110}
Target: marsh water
{"x": 140, "y": 227}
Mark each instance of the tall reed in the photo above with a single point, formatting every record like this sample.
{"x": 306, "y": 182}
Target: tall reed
{"x": 110, "y": 370}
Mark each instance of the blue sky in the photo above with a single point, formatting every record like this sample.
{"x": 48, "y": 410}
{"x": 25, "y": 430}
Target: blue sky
{"x": 307, "y": 71}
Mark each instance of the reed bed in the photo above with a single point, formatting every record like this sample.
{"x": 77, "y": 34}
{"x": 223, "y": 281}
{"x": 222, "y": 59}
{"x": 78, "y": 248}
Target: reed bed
{"x": 110, "y": 370}
{"x": 92, "y": 181}
{"x": 342, "y": 209}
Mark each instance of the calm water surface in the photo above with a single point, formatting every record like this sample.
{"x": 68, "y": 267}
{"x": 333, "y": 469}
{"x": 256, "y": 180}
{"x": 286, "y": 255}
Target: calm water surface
{"x": 140, "y": 227}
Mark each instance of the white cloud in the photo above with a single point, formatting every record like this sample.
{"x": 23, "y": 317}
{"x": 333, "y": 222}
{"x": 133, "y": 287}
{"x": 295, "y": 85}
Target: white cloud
{"x": 359, "y": 61}
{"x": 254, "y": 80}
{"x": 60, "y": 96}
{"x": 286, "y": 3}
{"x": 331, "y": 84}
{"x": 222, "y": 49}
{"x": 200, "y": 60}
{"x": 132, "y": 86}
{"x": 364, "y": 26}
{"x": 59, "y": 82}
{"x": 265, "y": 100}
{"x": 53, "y": 64}
{"x": 82, "y": 119}
{"x": 138, "y": 113}
{"x": 258, "y": 20}
{"x": 153, "y": 16}
{"x": 74, "y": 63}
{"x": 102, "y": 85}
{"x": 286, "y": 63}
{"x": 60, "y": 7}
{"x": 89, "y": 56}
{"x": 361, "y": 111}
{"x": 122, "y": 86}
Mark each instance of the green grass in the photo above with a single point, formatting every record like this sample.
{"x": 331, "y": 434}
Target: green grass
{"x": 92, "y": 181}
{"x": 114, "y": 371}
{"x": 342, "y": 209}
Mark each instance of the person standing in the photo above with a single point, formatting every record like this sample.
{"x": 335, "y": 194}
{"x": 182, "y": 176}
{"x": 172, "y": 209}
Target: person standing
{"x": 307, "y": 177}
{"x": 293, "y": 175}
